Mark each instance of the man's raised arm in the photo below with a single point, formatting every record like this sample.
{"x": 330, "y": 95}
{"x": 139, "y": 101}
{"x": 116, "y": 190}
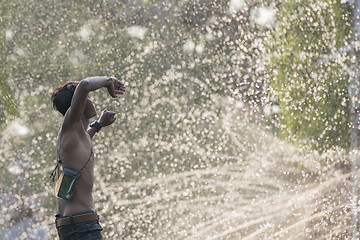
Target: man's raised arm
{"x": 75, "y": 112}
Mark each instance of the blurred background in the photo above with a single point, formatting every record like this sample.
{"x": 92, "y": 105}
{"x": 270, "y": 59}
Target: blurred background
{"x": 238, "y": 121}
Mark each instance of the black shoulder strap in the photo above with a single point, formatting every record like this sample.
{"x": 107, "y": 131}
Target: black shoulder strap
{"x": 59, "y": 162}
{"x": 87, "y": 160}
{"x": 53, "y": 173}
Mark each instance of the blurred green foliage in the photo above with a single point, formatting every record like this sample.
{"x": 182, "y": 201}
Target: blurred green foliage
{"x": 311, "y": 71}
{"x": 6, "y": 96}
{"x": 184, "y": 62}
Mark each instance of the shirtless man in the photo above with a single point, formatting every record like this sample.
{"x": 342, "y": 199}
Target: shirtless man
{"x": 76, "y": 218}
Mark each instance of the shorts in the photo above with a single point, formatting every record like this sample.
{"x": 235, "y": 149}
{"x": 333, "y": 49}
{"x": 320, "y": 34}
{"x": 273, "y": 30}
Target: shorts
{"x": 89, "y": 230}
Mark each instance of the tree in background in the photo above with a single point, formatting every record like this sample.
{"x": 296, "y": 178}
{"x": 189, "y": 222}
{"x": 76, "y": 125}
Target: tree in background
{"x": 311, "y": 69}
{"x": 6, "y": 96}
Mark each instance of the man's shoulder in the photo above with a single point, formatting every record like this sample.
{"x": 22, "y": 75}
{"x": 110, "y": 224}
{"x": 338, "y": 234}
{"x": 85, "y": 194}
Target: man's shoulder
{"x": 68, "y": 124}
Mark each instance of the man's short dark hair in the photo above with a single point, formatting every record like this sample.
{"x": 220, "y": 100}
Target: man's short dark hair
{"x": 62, "y": 96}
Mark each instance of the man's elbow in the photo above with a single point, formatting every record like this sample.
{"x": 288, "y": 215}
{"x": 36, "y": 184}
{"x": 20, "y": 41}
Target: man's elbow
{"x": 84, "y": 85}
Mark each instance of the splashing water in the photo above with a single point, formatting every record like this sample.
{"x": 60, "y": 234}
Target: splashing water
{"x": 196, "y": 151}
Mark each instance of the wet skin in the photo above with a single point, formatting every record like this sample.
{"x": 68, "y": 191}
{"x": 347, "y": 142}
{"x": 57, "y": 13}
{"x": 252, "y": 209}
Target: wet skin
{"x": 74, "y": 143}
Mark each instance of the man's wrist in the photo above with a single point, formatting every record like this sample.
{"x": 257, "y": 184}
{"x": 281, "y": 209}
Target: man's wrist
{"x": 95, "y": 124}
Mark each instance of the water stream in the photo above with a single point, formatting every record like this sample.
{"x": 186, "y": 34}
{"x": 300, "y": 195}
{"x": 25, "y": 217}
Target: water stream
{"x": 199, "y": 149}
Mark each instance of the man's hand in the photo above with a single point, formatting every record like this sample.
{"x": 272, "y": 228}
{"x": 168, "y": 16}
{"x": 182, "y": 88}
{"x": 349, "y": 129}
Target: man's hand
{"x": 116, "y": 87}
{"x": 107, "y": 118}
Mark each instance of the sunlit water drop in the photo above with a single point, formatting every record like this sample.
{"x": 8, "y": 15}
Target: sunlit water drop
{"x": 195, "y": 151}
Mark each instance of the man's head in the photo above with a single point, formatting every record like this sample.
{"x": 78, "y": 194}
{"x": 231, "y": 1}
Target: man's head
{"x": 62, "y": 96}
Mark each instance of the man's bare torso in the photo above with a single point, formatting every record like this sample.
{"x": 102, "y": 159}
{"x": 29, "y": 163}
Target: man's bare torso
{"x": 74, "y": 145}
{"x": 82, "y": 200}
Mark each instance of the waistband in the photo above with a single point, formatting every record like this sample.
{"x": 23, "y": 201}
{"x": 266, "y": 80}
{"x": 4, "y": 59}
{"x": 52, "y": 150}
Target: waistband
{"x": 77, "y": 218}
